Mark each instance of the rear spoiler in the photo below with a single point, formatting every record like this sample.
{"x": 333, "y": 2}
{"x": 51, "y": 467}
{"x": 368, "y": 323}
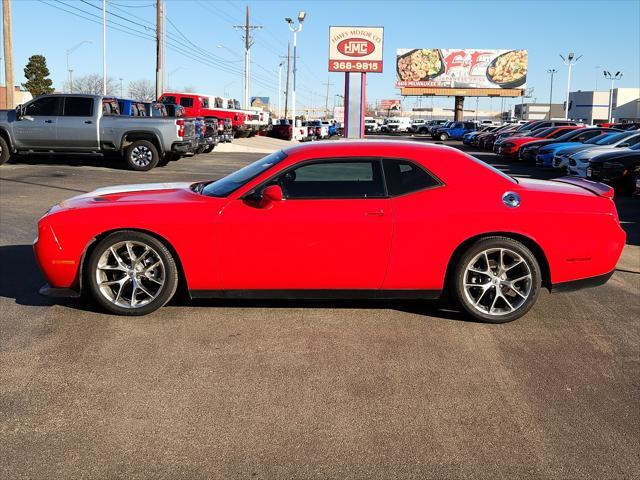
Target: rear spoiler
{"x": 597, "y": 188}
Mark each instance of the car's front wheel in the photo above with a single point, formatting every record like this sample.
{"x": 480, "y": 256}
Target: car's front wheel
{"x": 131, "y": 273}
{"x": 497, "y": 280}
{"x": 443, "y": 137}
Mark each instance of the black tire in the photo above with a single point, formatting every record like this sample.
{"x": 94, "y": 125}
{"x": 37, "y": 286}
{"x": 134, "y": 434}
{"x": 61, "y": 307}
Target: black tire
{"x": 5, "y": 154}
{"x": 487, "y": 295}
{"x": 159, "y": 251}
{"x": 443, "y": 137}
{"x": 142, "y": 156}
{"x": 422, "y": 131}
{"x": 209, "y": 149}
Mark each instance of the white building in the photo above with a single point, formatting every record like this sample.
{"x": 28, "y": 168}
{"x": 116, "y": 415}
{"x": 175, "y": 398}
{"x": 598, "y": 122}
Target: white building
{"x": 593, "y": 107}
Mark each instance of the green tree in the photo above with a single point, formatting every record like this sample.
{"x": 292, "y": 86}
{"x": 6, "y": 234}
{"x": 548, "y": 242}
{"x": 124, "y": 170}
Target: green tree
{"x": 36, "y": 73}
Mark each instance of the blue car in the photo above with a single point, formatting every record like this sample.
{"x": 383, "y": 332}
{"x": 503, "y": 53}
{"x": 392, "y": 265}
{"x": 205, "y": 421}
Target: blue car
{"x": 546, "y": 154}
{"x": 455, "y": 131}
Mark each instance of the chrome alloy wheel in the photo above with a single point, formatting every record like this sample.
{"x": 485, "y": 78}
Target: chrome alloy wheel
{"x": 141, "y": 155}
{"x": 497, "y": 281}
{"x": 130, "y": 274}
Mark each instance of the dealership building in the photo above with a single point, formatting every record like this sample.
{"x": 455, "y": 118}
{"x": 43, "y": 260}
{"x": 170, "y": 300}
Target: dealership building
{"x": 593, "y": 106}
{"x": 537, "y": 111}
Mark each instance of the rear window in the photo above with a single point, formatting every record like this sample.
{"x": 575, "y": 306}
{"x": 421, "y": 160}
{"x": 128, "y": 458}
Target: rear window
{"x": 403, "y": 176}
{"x": 78, "y": 107}
{"x": 169, "y": 99}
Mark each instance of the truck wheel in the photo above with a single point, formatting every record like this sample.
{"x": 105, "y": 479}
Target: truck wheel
{"x": 209, "y": 149}
{"x": 142, "y": 156}
{"x": 4, "y": 151}
{"x": 443, "y": 137}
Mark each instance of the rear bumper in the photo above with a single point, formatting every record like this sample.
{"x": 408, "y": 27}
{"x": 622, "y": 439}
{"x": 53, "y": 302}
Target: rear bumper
{"x": 183, "y": 147}
{"x": 574, "y": 285}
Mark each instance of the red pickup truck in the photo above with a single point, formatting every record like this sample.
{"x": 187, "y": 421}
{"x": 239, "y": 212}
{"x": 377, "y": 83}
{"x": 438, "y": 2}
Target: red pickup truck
{"x": 196, "y": 105}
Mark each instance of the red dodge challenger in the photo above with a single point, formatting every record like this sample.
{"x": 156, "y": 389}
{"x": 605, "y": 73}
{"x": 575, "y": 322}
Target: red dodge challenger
{"x": 336, "y": 220}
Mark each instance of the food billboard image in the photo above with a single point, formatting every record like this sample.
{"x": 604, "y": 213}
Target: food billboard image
{"x": 462, "y": 68}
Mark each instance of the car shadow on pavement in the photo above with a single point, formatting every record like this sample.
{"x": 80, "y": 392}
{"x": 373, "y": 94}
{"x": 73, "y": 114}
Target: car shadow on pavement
{"x": 427, "y": 308}
{"x": 114, "y": 162}
{"x": 20, "y": 277}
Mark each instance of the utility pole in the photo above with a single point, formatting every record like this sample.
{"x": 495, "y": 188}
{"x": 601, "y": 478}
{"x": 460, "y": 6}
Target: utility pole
{"x": 286, "y": 91}
{"x": 8, "y": 52}
{"x": 159, "y": 49}
{"x": 295, "y": 30}
{"x": 326, "y": 98}
{"x": 104, "y": 47}
{"x": 248, "y": 42}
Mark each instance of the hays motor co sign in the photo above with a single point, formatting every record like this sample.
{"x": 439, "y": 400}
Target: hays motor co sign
{"x": 355, "y": 49}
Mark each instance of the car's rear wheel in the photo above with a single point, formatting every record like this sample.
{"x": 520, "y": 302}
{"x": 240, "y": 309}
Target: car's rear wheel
{"x": 142, "y": 155}
{"x": 131, "y": 273}
{"x": 497, "y": 280}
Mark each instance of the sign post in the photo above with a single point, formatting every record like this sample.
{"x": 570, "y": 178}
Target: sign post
{"x": 355, "y": 51}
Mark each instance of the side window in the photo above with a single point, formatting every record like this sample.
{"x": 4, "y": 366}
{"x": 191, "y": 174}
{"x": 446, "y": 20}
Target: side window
{"x": 403, "y": 176}
{"x": 47, "y": 106}
{"x": 78, "y": 107}
{"x": 558, "y": 134}
{"x": 355, "y": 179}
{"x": 632, "y": 141}
{"x": 186, "y": 102}
{"x": 205, "y": 103}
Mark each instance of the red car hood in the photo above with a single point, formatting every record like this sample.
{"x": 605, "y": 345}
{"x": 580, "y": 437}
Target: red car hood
{"x": 519, "y": 140}
{"x": 143, "y": 193}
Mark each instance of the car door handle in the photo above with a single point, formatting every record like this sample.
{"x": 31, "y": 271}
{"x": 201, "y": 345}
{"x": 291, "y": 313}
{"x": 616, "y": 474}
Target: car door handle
{"x": 48, "y": 121}
{"x": 88, "y": 121}
{"x": 377, "y": 213}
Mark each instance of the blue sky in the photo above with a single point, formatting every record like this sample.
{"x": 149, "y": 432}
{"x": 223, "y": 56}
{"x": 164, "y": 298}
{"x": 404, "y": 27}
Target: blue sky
{"x": 606, "y": 33}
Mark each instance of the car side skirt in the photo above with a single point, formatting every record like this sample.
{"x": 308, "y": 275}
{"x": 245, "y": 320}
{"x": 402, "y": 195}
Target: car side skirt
{"x": 318, "y": 294}
{"x": 574, "y": 285}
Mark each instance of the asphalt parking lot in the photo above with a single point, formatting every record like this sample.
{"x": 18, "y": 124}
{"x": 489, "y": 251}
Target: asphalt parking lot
{"x": 250, "y": 389}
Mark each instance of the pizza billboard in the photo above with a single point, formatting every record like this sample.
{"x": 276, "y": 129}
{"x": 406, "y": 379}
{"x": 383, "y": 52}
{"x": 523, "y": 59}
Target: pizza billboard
{"x": 355, "y": 49}
{"x": 461, "y": 68}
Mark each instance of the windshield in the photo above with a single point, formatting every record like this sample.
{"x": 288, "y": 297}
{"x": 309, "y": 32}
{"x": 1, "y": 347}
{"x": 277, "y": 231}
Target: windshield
{"x": 610, "y": 139}
{"x": 542, "y": 133}
{"x": 230, "y": 183}
{"x": 569, "y": 135}
{"x": 598, "y": 138}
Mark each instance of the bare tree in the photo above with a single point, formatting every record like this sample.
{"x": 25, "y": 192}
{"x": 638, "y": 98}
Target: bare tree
{"x": 91, "y": 84}
{"x": 142, "y": 90}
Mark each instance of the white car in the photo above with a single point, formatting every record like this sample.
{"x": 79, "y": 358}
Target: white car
{"x": 579, "y": 161}
{"x": 396, "y": 124}
{"x": 604, "y": 141}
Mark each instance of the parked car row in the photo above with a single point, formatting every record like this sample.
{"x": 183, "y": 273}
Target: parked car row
{"x": 307, "y": 131}
{"x": 602, "y": 153}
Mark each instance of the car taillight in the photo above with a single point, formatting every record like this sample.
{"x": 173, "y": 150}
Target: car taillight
{"x": 318, "y": 130}
{"x": 180, "y": 124}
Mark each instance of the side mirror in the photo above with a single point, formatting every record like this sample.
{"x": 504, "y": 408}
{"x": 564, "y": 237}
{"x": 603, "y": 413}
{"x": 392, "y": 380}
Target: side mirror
{"x": 19, "y": 111}
{"x": 273, "y": 193}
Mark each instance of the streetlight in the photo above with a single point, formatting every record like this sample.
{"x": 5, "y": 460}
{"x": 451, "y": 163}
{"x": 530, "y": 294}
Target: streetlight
{"x": 295, "y": 30}
{"x": 613, "y": 78}
{"x": 69, "y": 71}
{"x": 552, "y": 72}
{"x": 280, "y": 89}
{"x": 569, "y": 62}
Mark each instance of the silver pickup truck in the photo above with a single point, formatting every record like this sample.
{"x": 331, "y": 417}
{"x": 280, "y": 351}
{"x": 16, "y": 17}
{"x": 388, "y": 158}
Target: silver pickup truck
{"x": 91, "y": 124}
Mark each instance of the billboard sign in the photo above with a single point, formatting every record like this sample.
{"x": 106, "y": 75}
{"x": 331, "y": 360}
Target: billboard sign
{"x": 451, "y": 68}
{"x": 355, "y": 49}
{"x": 390, "y": 104}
